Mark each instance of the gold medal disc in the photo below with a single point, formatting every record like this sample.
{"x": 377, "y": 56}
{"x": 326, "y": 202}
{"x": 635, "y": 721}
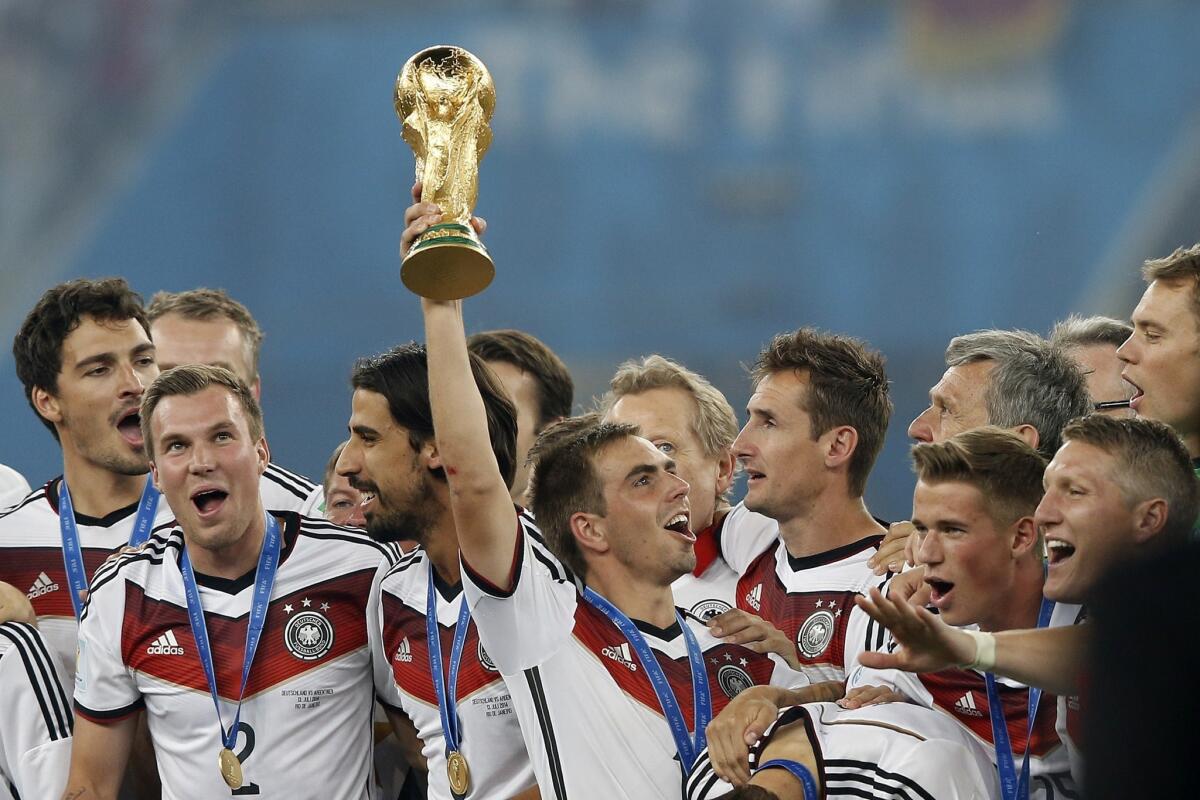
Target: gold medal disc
{"x": 231, "y": 768}
{"x": 458, "y": 772}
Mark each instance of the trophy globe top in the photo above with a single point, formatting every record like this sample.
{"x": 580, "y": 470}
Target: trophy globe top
{"x": 443, "y": 79}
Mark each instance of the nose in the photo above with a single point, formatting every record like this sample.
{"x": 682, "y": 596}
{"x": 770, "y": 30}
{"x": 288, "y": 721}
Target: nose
{"x": 921, "y": 428}
{"x": 929, "y": 548}
{"x": 1126, "y": 351}
{"x": 348, "y": 462}
{"x": 1047, "y": 512}
{"x": 681, "y": 489}
{"x": 131, "y": 381}
{"x": 741, "y": 445}
{"x": 201, "y": 461}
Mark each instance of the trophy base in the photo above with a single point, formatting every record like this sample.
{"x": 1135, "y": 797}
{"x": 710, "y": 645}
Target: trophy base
{"x": 447, "y": 262}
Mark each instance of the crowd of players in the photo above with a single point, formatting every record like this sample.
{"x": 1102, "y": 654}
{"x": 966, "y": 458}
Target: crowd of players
{"x": 488, "y": 597}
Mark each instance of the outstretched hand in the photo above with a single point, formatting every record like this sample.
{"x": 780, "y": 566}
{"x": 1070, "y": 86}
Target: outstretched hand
{"x": 926, "y": 644}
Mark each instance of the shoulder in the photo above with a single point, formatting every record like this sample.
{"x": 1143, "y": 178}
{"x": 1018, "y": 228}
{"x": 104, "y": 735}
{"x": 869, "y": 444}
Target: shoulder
{"x": 290, "y": 485}
{"x": 25, "y": 508}
{"x": 166, "y": 541}
{"x": 348, "y": 542}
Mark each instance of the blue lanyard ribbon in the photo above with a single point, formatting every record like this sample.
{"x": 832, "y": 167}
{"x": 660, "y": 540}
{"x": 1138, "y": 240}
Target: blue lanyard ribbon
{"x": 799, "y": 772}
{"x": 72, "y": 551}
{"x": 1012, "y": 787}
{"x": 447, "y": 695}
{"x": 688, "y": 746}
{"x": 264, "y": 581}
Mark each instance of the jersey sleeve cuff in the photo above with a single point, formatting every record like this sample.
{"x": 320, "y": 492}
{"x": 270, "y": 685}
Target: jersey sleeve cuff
{"x": 518, "y": 558}
{"x": 109, "y": 717}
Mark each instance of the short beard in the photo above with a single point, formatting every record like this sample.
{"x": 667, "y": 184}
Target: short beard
{"x": 413, "y": 521}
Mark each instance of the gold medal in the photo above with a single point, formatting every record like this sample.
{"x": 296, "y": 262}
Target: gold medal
{"x": 231, "y": 768}
{"x": 458, "y": 772}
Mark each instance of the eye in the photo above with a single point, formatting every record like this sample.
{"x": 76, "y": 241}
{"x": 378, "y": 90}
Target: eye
{"x": 641, "y": 480}
{"x": 224, "y": 436}
{"x": 145, "y": 361}
{"x": 666, "y": 447}
{"x": 173, "y": 447}
{"x": 340, "y": 504}
{"x": 97, "y": 372}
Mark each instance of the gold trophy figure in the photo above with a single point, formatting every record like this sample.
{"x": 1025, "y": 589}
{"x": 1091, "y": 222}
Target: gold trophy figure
{"x": 445, "y": 98}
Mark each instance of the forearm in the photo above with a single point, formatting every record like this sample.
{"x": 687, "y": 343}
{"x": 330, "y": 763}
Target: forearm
{"x": 1050, "y": 658}
{"x": 479, "y": 498}
{"x": 99, "y": 754}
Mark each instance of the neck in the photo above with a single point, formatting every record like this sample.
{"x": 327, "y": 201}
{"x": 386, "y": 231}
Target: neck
{"x": 96, "y": 491}
{"x": 441, "y": 545}
{"x": 828, "y": 524}
{"x": 637, "y": 599}
{"x": 233, "y": 560}
{"x": 1022, "y": 602}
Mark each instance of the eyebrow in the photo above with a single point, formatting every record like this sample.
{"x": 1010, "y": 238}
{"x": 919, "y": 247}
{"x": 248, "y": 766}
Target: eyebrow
{"x": 363, "y": 430}
{"x": 649, "y": 469}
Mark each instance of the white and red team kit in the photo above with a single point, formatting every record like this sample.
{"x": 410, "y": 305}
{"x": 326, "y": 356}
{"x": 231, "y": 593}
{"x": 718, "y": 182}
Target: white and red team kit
{"x": 961, "y": 695}
{"x": 592, "y": 723}
{"x": 810, "y": 599}
{"x": 305, "y": 720}
{"x": 31, "y": 550}
{"x": 491, "y": 737}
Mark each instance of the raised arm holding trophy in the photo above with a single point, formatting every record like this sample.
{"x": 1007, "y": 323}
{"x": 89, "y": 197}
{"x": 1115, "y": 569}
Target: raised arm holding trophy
{"x": 445, "y": 98}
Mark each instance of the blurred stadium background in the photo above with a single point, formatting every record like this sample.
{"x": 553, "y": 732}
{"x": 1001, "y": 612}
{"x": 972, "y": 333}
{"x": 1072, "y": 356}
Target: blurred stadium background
{"x": 666, "y": 176}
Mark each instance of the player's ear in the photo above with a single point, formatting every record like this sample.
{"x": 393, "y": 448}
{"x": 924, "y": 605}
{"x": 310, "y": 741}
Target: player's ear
{"x": 839, "y": 444}
{"x": 1149, "y": 518}
{"x": 429, "y": 456}
{"x": 263, "y": 450}
{"x": 154, "y": 476}
{"x": 588, "y": 533}
{"x": 1029, "y": 434}
{"x": 1025, "y": 536}
{"x": 46, "y": 404}
{"x": 726, "y": 469}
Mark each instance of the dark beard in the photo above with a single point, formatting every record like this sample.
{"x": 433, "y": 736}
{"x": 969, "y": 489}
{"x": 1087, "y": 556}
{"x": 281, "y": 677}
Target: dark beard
{"x": 411, "y": 525}
{"x": 412, "y": 521}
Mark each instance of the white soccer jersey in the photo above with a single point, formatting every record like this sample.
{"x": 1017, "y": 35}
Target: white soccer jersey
{"x": 811, "y": 600}
{"x": 490, "y": 736}
{"x": 711, "y": 588}
{"x": 31, "y": 555}
{"x": 591, "y": 721}
{"x": 1069, "y": 725}
{"x": 894, "y": 751}
{"x": 36, "y": 723}
{"x": 306, "y": 719}
{"x": 961, "y": 695}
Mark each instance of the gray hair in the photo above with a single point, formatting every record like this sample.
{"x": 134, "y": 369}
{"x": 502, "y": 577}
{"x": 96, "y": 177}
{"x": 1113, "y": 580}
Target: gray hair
{"x": 1077, "y": 331}
{"x": 1033, "y": 383}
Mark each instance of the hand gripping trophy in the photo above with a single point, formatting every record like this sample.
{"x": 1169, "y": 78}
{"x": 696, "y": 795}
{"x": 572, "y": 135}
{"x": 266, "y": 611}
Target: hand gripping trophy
{"x": 445, "y": 98}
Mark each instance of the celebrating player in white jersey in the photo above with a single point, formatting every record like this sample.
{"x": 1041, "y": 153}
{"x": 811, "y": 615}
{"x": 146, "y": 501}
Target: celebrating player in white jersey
{"x": 429, "y": 664}
{"x": 1117, "y": 490}
{"x": 240, "y": 631}
{"x": 818, "y": 416}
{"x": 973, "y": 509}
{"x": 609, "y": 706}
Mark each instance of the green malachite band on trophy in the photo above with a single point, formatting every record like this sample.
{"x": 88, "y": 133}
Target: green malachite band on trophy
{"x": 445, "y": 240}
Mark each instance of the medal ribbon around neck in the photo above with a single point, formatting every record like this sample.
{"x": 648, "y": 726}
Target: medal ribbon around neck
{"x": 688, "y": 746}
{"x": 264, "y": 581}
{"x": 73, "y": 552}
{"x": 1012, "y": 787}
{"x": 446, "y": 690}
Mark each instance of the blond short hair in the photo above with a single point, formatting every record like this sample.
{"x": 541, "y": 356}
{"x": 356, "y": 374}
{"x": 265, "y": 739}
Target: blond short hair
{"x": 192, "y": 379}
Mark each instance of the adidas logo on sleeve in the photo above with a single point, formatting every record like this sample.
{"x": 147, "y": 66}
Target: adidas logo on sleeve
{"x": 165, "y": 645}
{"x": 42, "y": 586}
{"x": 621, "y": 655}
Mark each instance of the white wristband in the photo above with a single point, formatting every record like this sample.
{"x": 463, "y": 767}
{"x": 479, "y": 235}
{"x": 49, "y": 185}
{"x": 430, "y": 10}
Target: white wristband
{"x": 985, "y": 651}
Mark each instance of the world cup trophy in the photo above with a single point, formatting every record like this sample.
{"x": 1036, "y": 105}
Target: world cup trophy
{"x": 445, "y": 98}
